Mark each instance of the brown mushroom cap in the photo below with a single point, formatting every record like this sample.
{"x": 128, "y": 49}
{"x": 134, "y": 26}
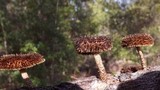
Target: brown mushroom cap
{"x": 20, "y": 61}
{"x": 92, "y": 45}
{"x": 137, "y": 40}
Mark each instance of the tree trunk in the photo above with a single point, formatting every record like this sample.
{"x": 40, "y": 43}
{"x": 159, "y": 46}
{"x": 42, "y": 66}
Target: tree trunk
{"x": 4, "y": 37}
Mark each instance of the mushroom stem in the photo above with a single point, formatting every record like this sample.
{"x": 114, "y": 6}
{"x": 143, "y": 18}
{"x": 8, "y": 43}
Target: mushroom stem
{"x": 25, "y": 77}
{"x": 102, "y": 72}
{"x": 143, "y": 61}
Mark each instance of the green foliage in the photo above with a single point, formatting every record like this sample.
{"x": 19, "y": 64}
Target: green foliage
{"x": 28, "y": 47}
{"x": 119, "y": 52}
{"x": 132, "y": 20}
{"x": 98, "y": 14}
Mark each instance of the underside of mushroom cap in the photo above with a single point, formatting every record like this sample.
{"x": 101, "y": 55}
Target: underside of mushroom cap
{"x": 20, "y": 61}
{"x": 92, "y": 45}
{"x": 137, "y": 40}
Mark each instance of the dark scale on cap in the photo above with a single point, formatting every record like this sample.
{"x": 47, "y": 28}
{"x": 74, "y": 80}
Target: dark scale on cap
{"x": 137, "y": 40}
{"x": 20, "y": 61}
{"x": 92, "y": 45}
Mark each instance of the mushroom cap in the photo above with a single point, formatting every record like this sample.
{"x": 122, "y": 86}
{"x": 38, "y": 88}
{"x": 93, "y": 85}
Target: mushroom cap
{"x": 20, "y": 61}
{"x": 137, "y": 40}
{"x": 92, "y": 45}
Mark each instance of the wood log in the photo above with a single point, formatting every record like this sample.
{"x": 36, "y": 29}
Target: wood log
{"x": 148, "y": 79}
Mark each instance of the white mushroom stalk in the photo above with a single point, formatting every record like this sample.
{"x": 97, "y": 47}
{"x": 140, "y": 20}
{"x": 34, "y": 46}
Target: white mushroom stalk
{"x": 26, "y": 78}
{"x": 102, "y": 70}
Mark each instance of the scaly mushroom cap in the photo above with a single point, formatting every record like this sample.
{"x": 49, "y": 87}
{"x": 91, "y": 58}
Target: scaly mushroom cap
{"x": 137, "y": 40}
{"x": 92, "y": 45}
{"x": 20, "y": 61}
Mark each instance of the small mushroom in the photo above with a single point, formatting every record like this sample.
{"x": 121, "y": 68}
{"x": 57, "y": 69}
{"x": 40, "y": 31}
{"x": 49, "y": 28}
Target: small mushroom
{"x": 21, "y": 62}
{"x": 137, "y": 41}
{"x": 94, "y": 46}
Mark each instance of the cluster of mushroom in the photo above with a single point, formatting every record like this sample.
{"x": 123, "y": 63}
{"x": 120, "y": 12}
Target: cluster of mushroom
{"x": 21, "y": 62}
{"x": 84, "y": 45}
{"x": 96, "y": 45}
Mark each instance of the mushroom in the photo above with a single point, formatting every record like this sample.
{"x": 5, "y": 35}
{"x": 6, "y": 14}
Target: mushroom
{"x": 21, "y": 62}
{"x": 138, "y": 40}
{"x": 94, "y": 46}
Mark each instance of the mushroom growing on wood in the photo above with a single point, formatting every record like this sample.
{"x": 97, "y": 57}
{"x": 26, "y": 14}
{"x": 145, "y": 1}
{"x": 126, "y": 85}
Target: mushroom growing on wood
{"x": 138, "y": 40}
{"x": 21, "y": 62}
{"x": 94, "y": 46}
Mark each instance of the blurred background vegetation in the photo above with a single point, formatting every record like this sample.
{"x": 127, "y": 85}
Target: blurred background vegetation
{"x": 50, "y": 26}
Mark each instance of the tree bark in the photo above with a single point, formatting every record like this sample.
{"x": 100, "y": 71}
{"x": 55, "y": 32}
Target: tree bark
{"x": 4, "y": 37}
